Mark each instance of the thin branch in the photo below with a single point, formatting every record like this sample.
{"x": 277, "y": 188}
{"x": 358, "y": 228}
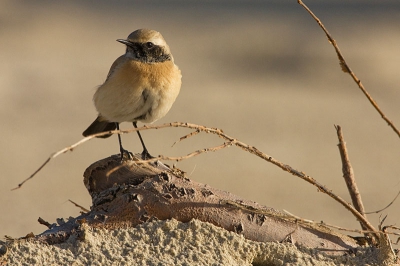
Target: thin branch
{"x": 384, "y": 229}
{"x": 393, "y": 227}
{"x": 386, "y": 206}
{"x": 381, "y": 221}
{"x": 346, "y": 68}
{"x": 79, "y": 206}
{"x": 348, "y": 175}
{"x": 178, "y": 158}
{"x": 281, "y": 165}
{"x": 190, "y": 155}
{"x": 330, "y": 225}
{"x": 186, "y": 136}
{"x": 248, "y": 148}
{"x": 34, "y": 173}
{"x": 288, "y": 216}
{"x": 54, "y": 155}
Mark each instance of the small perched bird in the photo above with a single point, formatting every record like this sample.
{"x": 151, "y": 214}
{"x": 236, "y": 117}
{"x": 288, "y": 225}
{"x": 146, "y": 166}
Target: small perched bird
{"x": 141, "y": 86}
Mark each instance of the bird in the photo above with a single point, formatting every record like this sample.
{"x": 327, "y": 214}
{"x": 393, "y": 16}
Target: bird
{"x": 141, "y": 85}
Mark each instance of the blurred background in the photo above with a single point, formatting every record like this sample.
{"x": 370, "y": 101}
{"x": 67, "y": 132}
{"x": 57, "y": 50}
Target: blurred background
{"x": 263, "y": 71}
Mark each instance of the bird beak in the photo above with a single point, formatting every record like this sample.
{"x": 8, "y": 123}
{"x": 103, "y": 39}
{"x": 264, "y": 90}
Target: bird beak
{"x": 126, "y": 42}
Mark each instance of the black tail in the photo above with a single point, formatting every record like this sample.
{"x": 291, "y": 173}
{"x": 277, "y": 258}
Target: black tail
{"x": 99, "y": 126}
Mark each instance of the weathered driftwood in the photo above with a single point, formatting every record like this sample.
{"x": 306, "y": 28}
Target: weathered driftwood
{"x": 130, "y": 193}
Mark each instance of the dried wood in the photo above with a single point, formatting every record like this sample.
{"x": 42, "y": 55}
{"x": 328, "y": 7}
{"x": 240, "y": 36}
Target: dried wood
{"x": 130, "y": 193}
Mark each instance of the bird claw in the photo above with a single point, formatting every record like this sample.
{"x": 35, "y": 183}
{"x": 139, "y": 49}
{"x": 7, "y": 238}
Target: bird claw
{"x": 126, "y": 155}
{"x": 146, "y": 155}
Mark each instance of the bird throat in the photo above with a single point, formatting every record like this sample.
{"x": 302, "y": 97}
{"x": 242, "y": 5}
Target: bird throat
{"x": 144, "y": 54}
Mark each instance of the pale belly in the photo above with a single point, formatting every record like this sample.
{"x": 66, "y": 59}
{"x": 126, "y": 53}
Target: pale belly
{"x": 145, "y": 98}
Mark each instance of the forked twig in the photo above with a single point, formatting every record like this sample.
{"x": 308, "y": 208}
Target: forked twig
{"x": 177, "y": 158}
{"x": 189, "y": 155}
{"x": 346, "y": 68}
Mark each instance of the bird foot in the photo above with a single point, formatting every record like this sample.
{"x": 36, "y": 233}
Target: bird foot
{"x": 126, "y": 155}
{"x": 146, "y": 155}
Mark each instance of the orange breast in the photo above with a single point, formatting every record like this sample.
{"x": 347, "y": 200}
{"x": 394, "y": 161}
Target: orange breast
{"x": 121, "y": 97}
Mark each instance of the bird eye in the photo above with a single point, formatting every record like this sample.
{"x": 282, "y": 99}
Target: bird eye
{"x": 149, "y": 44}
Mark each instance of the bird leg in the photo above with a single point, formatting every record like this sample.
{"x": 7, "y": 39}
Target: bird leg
{"x": 145, "y": 154}
{"x": 122, "y": 150}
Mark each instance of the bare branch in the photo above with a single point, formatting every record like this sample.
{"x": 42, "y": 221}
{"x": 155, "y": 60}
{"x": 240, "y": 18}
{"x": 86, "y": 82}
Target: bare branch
{"x": 346, "y": 68}
{"x": 178, "y": 158}
{"x": 386, "y": 206}
{"x": 381, "y": 221}
{"x": 54, "y": 155}
{"x": 233, "y": 141}
{"x": 192, "y": 154}
{"x": 281, "y": 165}
{"x": 290, "y": 217}
{"x": 79, "y": 206}
{"x": 348, "y": 175}
{"x": 186, "y": 136}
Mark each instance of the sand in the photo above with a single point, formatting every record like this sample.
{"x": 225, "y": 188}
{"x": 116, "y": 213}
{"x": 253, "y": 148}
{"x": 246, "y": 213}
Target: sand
{"x": 169, "y": 243}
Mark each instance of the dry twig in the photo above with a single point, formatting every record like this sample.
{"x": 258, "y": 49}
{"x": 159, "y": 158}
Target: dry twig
{"x": 192, "y": 154}
{"x": 186, "y": 136}
{"x": 378, "y": 211}
{"x": 291, "y": 217}
{"x": 178, "y": 158}
{"x": 54, "y": 155}
{"x": 346, "y": 68}
{"x": 79, "y": 206}
{"x": 348, "y": 175}
{"x": 229, "y": 141}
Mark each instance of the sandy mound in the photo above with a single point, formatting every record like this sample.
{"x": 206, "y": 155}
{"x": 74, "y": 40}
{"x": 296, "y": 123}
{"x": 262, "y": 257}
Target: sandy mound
{"x": 168, "y": 243}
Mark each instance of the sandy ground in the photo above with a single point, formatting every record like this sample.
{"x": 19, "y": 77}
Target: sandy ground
{"x": 171, "y": 243}
{"x": 262, "y": 72}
